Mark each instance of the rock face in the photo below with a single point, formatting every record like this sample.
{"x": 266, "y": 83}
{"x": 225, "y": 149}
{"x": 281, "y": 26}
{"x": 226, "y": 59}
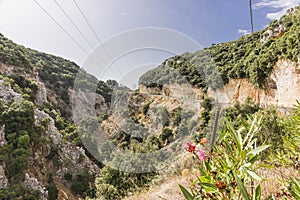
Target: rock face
{"x": 182, "y": 91}
{"x": 287, "y": 77}
{"x": 71, "y": 159}
{"x": 8, "y": 94}
{"x": 282, "y": 88}
{"x": 186, "y": 95}
{"x": 3, "y": 178}
{"x": 41, "y": 95}
{"x": 273, "y": 33}
{"x": 34, "y": 184}
{"x": 69, "y": 154}
{"x": 2, "y": 135}
{"x": 87, "y": 104}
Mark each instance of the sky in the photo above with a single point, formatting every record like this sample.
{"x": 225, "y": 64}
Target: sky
{"x": 204, "y": 22}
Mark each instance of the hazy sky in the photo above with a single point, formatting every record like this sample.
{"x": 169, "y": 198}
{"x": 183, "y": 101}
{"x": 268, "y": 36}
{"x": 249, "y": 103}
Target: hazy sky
{"x": 205, "y": 21}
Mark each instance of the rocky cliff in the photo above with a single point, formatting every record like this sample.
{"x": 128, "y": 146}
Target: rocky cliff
{"x": 281, "y": 89}
{"x": 54, "y": 156}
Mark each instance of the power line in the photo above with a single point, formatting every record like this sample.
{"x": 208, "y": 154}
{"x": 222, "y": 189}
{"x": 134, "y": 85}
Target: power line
{"x": 87, "y": 21}
{"x": 94, "y": 32}
{"x": 62, "y": 28}
{"x": 78, "y": 29}
{"x": 69, "y": 18}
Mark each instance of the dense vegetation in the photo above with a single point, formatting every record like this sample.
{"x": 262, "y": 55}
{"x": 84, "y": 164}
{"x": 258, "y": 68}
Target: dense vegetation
{"x": 243, "y": 58}
{"x": 20, "y": 134}
{"x": 210, "y": 67}
{"x": 22, "y": 70}
{"x": 136, "y": 139}
{"x": 59, "y": 74}
{"x": 230, "y": 171}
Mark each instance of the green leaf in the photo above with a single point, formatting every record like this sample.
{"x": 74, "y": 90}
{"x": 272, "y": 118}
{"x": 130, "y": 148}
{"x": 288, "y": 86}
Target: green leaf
{"x": 186, "y": 193}
{"x": 208, "y": 185}
{"x": 257, "y": 193}
{"x": 234, "y": 134}
{"x": 207, "y": 165}
{"x": 258, "y": 150}
{"x": 295, "y": 188}
{"x": 202, "y": 171}
{"x": 241, "y": 187}
{"x": 253, "y": 174}
{"x": 228, "y": 147}
{"x": 253, "y": 159}
{"x": 203, "y": 179}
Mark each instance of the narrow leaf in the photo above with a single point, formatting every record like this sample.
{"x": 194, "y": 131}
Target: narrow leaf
{"x": 186, "y": 194}
{"x": 208, "y": 185}
{"x": 253, "y": 174}
{"x": 235, "y": 136}
{"x": 258, "y": 150}
{"x": 257, "y": 193}
{"x": 253, "y": 159}
{"x": 202, "y": 171}
{"x": 241, "y": 187}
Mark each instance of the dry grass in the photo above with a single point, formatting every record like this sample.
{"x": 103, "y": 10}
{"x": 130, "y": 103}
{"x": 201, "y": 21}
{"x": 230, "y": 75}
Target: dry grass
{"x": 169, "y": 189}
{"x": 273, "y": 176}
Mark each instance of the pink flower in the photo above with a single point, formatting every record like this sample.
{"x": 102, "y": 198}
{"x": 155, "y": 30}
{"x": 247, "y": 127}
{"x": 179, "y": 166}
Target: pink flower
{"x": 189, "y": 147}
{"x": 201, "y": 155}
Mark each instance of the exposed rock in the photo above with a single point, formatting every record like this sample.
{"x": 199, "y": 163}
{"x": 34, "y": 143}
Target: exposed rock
{"x": 149, "y": 90}
{"x": 87, "y": 104}
{"x": 8, "y": 94}
{"x": 6, "y": 69}
{"x": 3, "y": 178}
{"x": 112, "y": 125}
{"x": 273, "y": 33}
{"x": 184, "y": 91}
{"x": 282, "y": 89}
{"x": 287, "y": 77}
{"x": 187, "y": 96}
{"x": 41, "y": 95}
{"x": 71, "y": 157}
{"x": 34, "y": 184}
{"x": 2, "y": 135}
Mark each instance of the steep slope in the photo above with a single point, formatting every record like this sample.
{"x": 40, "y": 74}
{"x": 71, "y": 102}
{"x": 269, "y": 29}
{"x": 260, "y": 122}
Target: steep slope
{"x": 54, "y": 73}
{"x": 41, "y": 153}
{"x": 251, "y": 57}
{"x": 42, "y": 156}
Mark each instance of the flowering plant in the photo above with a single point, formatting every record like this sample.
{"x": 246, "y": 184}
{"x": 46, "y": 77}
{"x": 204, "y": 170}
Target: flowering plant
{"x": 229, "y": 171}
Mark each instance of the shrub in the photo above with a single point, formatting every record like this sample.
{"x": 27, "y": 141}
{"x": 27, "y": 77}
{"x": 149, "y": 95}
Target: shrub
{"x": 229, "y": 169}
{"x": 52, "y": 191}
{"x": 68, "y": 176}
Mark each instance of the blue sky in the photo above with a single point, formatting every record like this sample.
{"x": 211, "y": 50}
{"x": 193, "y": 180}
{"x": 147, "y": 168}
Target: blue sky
{"x": 206, "y": 21}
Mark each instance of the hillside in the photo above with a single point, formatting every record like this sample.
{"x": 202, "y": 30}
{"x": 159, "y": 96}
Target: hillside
{"x": 61, "y": 140}
{"x": 42, "y": 156}
{"x": 251, "y": 56}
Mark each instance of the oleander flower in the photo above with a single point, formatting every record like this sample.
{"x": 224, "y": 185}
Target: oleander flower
{"x": 189, "y": 147}
{"x": 201, "y": 155}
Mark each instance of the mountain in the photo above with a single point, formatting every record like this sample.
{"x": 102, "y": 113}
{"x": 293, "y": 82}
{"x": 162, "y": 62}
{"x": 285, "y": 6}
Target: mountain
{"x": 252, "y": 56}
{"x": 51, "y": 112}
{"x": 41, "y": 152}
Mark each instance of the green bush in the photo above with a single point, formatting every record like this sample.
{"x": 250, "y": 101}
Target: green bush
{"x": 81, "y": 184}
{"x": 243, "y": 58}
{"x": 230, "y": 168}
{"x": 68, "y": 176}
{"x": 52, "y": 191}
